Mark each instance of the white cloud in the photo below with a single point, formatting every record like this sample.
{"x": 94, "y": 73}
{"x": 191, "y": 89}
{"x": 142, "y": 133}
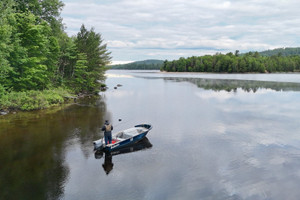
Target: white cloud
{"x": 137, "y": 30}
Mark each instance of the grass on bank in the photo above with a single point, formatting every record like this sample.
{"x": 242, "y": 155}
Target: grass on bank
{"x": 33, "y": 100}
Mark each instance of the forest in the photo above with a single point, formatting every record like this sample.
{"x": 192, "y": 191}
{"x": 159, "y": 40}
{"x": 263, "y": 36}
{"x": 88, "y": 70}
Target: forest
{"x": 235, "y": 63}
{"x": 288, "y": 51}
{"x": 140, "y": 65}
{"x": 40, "y": 64}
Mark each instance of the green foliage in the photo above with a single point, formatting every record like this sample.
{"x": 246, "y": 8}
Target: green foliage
{"x": 32, "y": 100}
{"x": 6, "y": 47}
{"x": 80, "y": 80}
{"x": 36, "y": 54}
{"x": 90, "y": 44}
{"x": 35, "y": 62}
{"x": 281, "y": 51}
{"x": 45, "y": 10}
{"x": 234, "y": 63}
{"x": 67, "y": 58}
{"x": 2, "y": 90}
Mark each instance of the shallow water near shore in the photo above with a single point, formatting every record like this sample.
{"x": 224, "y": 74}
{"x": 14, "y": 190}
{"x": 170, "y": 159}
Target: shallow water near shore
{"x": 214, "y": 136}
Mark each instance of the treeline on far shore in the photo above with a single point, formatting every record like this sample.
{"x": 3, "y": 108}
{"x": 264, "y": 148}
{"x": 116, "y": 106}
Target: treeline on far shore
{"x": 40, "y": 65}
{"x": 234, "y": 63}
{"x": 140, "y": 65}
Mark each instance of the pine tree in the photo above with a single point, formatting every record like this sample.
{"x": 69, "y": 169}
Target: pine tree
{"x": 91, "y": 44}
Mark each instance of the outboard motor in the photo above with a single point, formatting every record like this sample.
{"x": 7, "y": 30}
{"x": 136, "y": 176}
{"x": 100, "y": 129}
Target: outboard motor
{"x": 98, "y": 144}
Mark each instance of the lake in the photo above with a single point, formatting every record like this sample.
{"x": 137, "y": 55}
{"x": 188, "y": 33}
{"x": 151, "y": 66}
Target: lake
{"x": 214, "y": 136}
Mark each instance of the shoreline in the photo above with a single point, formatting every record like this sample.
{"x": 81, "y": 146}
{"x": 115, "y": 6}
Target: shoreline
{"x": 68, "y": 102}
{"x": 15, "y": 102}
{"x": 12, "y": 111}
{"x": 231, "y": 73}
{"x": 159, "y": 71}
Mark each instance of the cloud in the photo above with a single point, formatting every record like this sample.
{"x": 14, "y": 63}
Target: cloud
{"x": 137, "y": 30}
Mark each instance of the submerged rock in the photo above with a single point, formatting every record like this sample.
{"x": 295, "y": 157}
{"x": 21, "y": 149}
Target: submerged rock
{"x": 104, "y": 88}
{"x": 3, "y": 112}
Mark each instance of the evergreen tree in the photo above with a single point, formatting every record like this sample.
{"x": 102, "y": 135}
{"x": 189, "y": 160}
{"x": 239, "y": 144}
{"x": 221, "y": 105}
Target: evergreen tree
{"x": 91, "y": 44}
{"x": 80, "y": 76}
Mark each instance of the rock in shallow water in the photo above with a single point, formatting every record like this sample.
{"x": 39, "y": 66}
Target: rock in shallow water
{"x": 3, "y": 113}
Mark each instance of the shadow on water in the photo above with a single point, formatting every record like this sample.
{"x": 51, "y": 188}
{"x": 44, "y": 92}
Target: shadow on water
{"x": 108, "y": 164}
{"x": 232, "y": 85}
{"x": 33, "y": 147}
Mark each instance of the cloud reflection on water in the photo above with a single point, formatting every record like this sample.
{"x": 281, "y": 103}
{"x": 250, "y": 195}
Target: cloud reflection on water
{"x": 259, "y": 144}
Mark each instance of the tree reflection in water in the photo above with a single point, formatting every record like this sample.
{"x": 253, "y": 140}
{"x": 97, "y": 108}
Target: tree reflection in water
{"x": 232, "y": 85}
{"x": 33, "y": 147}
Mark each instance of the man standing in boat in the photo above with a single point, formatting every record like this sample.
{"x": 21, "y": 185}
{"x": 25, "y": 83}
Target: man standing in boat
{"x": 107, "y": 128}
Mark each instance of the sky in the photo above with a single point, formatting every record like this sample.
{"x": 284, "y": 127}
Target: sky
{"x": 137, "y": 30}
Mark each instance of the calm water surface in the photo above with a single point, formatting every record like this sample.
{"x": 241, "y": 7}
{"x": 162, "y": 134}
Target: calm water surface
{"x": 214, "y": 137}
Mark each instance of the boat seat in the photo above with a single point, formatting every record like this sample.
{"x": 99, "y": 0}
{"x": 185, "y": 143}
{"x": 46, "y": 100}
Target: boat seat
{"x": 140, "y": 130}
{"x": 125, "y": 136}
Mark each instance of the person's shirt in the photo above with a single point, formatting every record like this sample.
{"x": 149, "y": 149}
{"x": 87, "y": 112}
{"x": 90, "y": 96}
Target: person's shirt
{"x": 107, "y": 128}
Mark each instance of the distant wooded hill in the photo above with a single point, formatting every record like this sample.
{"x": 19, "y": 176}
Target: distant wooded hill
{"x": 281, "y": 51}
{"x": 280, "y": 60}
{"x": 141, "y": 65}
